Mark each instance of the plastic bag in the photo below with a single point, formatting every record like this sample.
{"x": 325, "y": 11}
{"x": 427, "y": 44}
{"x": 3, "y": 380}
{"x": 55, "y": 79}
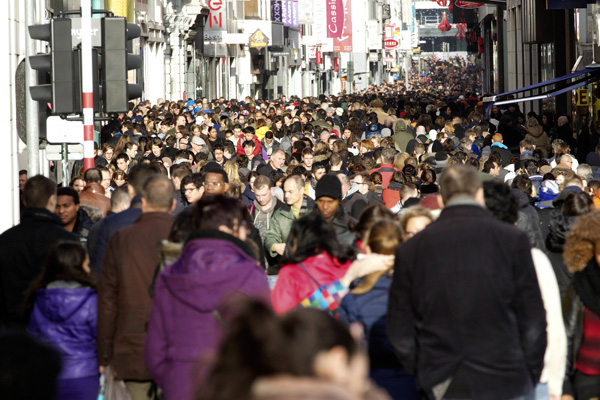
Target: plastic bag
{"x": 111, "y": 388}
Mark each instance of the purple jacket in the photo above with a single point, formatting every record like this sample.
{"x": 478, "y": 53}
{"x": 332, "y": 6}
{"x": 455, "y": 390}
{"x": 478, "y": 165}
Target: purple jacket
{"x": 66, "y": 318}
{"x": 183, "y": 332}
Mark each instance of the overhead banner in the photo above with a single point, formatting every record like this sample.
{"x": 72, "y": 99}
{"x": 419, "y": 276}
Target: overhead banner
{"x": 568, "y": 4}
{"x": 343, "y": 44}
{"x": 335, "y": 18}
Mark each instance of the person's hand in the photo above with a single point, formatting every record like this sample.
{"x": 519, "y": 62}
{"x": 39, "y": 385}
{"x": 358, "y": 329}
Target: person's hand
{"x": 563, "y": 397}
{"x": 279, "y": 248}
{"x": 367, "y": 265}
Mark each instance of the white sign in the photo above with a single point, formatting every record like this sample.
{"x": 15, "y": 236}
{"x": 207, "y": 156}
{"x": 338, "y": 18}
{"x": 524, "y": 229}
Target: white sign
{"x": 95, "y": 32}
{"x": 60, "y": 130}
{"x": 312, "y": 52}
{"x": 214, "y": 36}
{"x": 74, "y": 152}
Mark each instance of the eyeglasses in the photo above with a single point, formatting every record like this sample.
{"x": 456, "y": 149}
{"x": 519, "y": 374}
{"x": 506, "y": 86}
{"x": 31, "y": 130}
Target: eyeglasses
{"x": 217, "y": 184}
{"x": 188, "y": 190}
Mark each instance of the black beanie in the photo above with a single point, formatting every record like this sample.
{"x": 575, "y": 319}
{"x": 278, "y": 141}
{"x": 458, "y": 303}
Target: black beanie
{"x": 329, "y": 186}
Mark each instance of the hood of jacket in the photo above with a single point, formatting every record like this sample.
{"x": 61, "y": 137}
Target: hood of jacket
{"x": 59, "y": 304}
{"x": 522, "y": 199}
{"x": 558, "y": 228}
{"x": 400, "y": 126}
{"x": 211, "y": 262}
{"x": 534, "y": 128}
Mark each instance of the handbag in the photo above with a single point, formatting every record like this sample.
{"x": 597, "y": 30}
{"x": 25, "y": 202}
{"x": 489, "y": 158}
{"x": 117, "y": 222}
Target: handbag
{"x": 111, "y": 388}
{"x": 325, "y": 297}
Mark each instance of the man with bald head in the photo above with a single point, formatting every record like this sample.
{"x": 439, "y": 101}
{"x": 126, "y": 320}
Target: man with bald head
{"x": 564, "y": 131}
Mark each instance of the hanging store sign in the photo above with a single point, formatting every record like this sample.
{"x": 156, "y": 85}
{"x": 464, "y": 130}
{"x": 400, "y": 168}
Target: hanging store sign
{"x": 335, "y": 18}
{"x": 276, "y": 11}
{"x": 582, "y": 98}
{"x": 343, "y": 44}
{"x": 258, "y": 40}
{"x": 289, "y": 13}
{"x": 390, "y": 44}
{"x": 216, "y": 16}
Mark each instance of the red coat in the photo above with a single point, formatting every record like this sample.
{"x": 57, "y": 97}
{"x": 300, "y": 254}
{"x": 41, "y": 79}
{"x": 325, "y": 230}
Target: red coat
{"x": 386, "y": 171}
{"x": 294, "y": 285}
{"x": 257, "y": 147}
{"x": 390, "y": 197}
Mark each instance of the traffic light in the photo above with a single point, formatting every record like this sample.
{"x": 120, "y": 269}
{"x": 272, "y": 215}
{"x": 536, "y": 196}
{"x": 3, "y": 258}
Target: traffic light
{"x": 116, "y": 61}
{"x": 62, "y": 91}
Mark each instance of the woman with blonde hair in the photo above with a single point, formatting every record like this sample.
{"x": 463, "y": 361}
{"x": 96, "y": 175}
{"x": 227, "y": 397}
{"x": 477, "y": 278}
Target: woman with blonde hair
{"x": 231, "y": 168}
{"x": 449, "y": 128}
{"x": 367, "y": 304}
{"x": 414, "y": 220}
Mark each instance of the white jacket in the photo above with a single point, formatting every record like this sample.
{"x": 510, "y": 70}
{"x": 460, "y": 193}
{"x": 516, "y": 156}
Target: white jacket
{"x": 556, "y": 350}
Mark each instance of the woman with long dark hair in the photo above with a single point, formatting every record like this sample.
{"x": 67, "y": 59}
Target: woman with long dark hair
{"x": 312, "y": 253}
{"x": 63, "y": 304}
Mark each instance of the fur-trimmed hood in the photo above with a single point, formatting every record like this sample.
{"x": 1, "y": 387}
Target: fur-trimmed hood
{"x": 580, "y": 246}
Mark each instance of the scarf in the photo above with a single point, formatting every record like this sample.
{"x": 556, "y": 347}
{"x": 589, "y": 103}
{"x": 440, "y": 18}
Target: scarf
{"x": 498, "y": 144}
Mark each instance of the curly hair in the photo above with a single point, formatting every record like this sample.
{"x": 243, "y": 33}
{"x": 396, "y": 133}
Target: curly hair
{"x": 581, "y": 241}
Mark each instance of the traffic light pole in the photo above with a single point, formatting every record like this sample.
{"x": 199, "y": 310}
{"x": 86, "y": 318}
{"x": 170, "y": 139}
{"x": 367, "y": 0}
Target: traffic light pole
{"x": 87, "y": 84}
{"x": 31, "y": 106}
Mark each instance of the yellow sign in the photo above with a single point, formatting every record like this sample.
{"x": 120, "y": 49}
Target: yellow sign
{"x": 582, "y": 98}
{"x": 258, "y": 40}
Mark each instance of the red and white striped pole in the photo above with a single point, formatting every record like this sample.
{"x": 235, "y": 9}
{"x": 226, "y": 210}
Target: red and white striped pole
{"x": 87, "y": 84}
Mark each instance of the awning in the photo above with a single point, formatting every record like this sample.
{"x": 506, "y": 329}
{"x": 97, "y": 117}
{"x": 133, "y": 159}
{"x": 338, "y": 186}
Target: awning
{"x": 586, "y": 76}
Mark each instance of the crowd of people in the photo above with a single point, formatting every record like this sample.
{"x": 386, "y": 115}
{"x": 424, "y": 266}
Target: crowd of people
{"x": 381, "y": 245}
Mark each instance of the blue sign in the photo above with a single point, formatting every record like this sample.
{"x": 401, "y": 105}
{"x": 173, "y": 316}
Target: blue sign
{"x": 276, "y": 11}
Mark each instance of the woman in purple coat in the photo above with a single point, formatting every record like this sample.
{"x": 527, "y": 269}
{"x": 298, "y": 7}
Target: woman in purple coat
{"x": 186, "y": 325}
{"x": 63, "y": 305}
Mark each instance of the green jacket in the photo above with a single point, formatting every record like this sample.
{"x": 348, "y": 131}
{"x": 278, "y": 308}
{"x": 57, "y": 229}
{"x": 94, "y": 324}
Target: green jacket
{"x": 401, "y": 135}
{"x": 279, "y": 229}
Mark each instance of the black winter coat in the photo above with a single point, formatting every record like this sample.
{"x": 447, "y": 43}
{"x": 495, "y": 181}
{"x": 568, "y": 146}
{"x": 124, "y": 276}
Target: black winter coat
{"x": 23, "y": 250}
{"x": 473, "y": 306}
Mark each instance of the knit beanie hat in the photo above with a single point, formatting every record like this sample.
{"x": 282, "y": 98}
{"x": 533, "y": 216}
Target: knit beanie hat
{"x": 329, "y": 186}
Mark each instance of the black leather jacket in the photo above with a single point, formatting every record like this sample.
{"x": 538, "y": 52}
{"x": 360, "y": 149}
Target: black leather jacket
{"x": 573, "y": 319}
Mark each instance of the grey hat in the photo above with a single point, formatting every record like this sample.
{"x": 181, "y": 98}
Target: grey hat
{"x": 330, "y": 110}
{"x": 198, "y": 141}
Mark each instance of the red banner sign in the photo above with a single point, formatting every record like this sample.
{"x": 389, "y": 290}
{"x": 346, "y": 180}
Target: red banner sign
{"x": 343, "y": 43}
{"x": 390, "y": 44}
{"x": 335, "y": 18}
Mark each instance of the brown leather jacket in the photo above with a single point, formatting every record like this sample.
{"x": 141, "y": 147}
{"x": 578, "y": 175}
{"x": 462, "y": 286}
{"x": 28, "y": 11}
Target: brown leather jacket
{"x": 93, "y": 195}
{"x": 131, "y": 258}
